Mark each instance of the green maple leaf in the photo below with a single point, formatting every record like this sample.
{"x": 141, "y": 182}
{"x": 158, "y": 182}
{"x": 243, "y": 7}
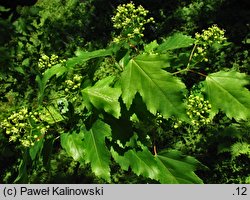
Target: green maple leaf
{"x": 73, "y": 145}
{"x": 149, "y": 48}
{"x": 175, "y": 41}
{"x": 89, "y": 147}
{"x": 160, "y": 91}
{"x": 177, "y": 168}
{"x": 226, "y": 92}
{"x": 96, "y": 152}
{"x": 102, "y": 96}
{"x": 83, "y": 56}
{"x": 166, "y": 167}
{"x": 141, "y": 162}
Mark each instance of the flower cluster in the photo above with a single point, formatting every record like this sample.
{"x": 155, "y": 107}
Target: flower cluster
{"x": 23, "y": 127}
{"x": 130, "y": 20}
{"x": 211, "y": 37}
{"x": 73, "y": 84}
{"x": 46, "y": 62}
{"x": 107, "y": 68}
{"x": 198, "y": 111}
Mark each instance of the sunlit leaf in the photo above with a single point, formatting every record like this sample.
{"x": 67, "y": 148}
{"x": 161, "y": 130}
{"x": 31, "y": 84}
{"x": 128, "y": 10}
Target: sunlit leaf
{"x": 151, "y": 46}
{"x": 160, "y": 91}
{"x": 102, "y": 96}
{"x": 226, "y": 92}
{"x": 83, "y": 56}
{"x": 73, "y": 145}
{"x": 176, "y": 41}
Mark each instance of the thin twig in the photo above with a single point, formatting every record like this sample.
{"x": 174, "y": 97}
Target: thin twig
{"x": 190, "y": 70}
{"x": 155, "y": 151}
{"x": 180, "y": 71}
{"x": 191, "y": 56}
{"x": 189, "y": 61}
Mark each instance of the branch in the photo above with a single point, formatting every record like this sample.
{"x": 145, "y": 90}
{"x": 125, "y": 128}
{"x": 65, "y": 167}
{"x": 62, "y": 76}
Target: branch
{"x": 191, "y": 56}
{"x": 155, "y": 151}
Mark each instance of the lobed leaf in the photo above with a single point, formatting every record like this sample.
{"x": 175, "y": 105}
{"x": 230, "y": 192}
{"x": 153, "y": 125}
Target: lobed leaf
{"x": 141, "y": 163}
{"x": 149, "y": 48}
{"x": 121, "y": 160}
{"x": 166, "y": 167}
{"x": 102, "y": 96}
{"x": 83, "y": 56}
{"x": 160, "y": 91}
{"x": 176, "y": 41}
{"x": 226, "y": 92}
{"x": 177, "y": 167}
{"x": 74, "y": 146}
{"x": 96, "y": 152}
{"x": 89, "y": 147}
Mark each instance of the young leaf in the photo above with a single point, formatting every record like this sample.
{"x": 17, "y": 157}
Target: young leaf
{"x": 176, "y": 41}
{"x": 83, "y": 56}
{"x": 151, "y": 46}
{"x": 226, "y": 91}
{"x": 159, "y": 90}
{"x": 51, "y": 115}
{"x": 96, "y": 152}
{"x": 34, "y": 150}
{"x": 177, "y": 168}
{"x": 102, "y": 96}
{"x": 57, "y": 70}
{"x": 74, "y": 146}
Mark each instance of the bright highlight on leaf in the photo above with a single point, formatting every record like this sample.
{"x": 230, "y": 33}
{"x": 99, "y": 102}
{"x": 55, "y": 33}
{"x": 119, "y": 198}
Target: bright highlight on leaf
{"x": 176, "y": 41}
{"x": 226, "y": 92}
{"x": 83, "y": 56}
{"x": 102, "y": 96}
{"x": 160, "y": 91}
{"x": 73, "y": 145}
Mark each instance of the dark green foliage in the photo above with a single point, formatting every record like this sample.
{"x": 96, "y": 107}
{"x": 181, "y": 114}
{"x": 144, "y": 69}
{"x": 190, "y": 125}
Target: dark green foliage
{"x": 85, "y": 99}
